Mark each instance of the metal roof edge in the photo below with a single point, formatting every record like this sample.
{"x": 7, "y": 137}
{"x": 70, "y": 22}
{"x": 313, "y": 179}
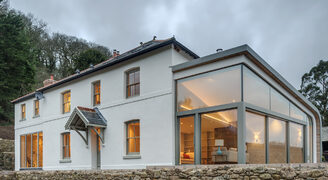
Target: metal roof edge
{"x": 243, "y": 49}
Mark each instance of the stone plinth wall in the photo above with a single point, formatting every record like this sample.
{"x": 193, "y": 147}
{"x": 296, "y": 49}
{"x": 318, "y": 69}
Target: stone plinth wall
{"x": 7, "y": 155}
{"x": 296, "y": 171}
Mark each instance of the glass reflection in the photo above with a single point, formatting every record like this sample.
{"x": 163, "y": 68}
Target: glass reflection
{"x": 277, "y": 141}
{"x": 255, "y": 138}
{"x": 279, "y": 103}
{"x": 296, "y": 143}
{"x": 256, "y": 91}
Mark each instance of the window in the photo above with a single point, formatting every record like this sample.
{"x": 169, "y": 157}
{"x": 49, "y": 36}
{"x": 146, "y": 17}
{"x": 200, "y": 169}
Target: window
{"x": 255, "y": 138}
{"x": 296, "y": 147}
{"x": 187, "y": 140}
{"x": 66, "y": 101}
{"x": 23, "y": 111}
{"x": 219, "y": 137}
{"x": 133, "y": 82}
{"x": 96, "y": 93}
{"x": 256, "y": 90}
{"x": 279, "y": 103}
{"x": 36, "y": 108}
{"x": 133, "y": 137}
{"x": 209, "y": 89}
{"x": 66, "y": 145}
{"x": 31, "y": 150}
{"x": 277, "y": 141}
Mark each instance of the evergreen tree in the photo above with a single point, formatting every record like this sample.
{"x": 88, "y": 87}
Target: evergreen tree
{"x": 315, "y": 87}
{"x": 88, "y": 57}
{"x": 17, "y": 61}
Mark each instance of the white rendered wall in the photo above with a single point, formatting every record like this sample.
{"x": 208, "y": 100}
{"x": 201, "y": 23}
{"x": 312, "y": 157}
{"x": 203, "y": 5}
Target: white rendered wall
{"x": 153, "y": 107}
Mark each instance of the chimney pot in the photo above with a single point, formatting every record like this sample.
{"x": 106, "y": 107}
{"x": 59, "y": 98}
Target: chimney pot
{"x": 50, "y": 81}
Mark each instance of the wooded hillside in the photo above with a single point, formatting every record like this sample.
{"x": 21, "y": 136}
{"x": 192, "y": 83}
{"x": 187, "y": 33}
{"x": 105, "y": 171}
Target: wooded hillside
{"x": 29, "y": 54}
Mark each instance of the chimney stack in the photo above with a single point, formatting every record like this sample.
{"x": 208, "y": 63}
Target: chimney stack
{"x": 115, "y": 53}
{"x": 50, "y": 81}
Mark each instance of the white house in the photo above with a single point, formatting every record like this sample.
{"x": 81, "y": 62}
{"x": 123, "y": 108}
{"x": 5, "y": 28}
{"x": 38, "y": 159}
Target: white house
{"x": 160, "y": 104}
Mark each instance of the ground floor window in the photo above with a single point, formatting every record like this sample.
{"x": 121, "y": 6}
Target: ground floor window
{"x": 187, "y": 140}
{"x": 296, "y": 143}
{"x": 255, "y": 138}
{"x": 31, "y": 150}
{"x": 219, "y": 137}
{"x": 133, "y": 137}
{"x": 277, "y": 141}
{"x": 66, "y": 145}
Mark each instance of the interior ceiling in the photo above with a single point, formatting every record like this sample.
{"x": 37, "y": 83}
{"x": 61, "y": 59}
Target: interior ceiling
{"x": 210, "y": 121}
{"x": 209, "y": 88}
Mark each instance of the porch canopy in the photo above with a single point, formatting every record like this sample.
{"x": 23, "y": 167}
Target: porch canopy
{"x": 83, "y": 119}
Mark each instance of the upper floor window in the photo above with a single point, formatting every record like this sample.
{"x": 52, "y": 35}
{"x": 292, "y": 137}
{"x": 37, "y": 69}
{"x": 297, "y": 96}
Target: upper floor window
{"x": 96, "y": 93}
{"x": 133, "y": 82}
{"x": 23, "y": 108}
{"x": 66, "y": 101}
{"x": 66, "y": 145}
{"x": 133, "y": 137}
{"x": 36, "y": 108}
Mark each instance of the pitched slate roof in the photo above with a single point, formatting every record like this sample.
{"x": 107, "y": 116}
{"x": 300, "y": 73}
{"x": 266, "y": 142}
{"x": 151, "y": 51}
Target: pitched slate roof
{"x": 142, "y": 49}
{"x": 83, "y": 117}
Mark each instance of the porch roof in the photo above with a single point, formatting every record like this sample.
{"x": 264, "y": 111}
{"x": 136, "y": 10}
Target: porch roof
{"x": 82, "y": 117}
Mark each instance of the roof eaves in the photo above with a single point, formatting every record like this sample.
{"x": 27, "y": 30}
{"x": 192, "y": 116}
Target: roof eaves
{"x": 105, "y": 65}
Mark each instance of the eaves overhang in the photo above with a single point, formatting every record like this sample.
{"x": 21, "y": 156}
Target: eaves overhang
{"x": 109, "y": 64}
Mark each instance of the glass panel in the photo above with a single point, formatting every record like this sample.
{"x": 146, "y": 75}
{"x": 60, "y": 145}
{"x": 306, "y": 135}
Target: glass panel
{"x": 137, "y": 77}
{"x": 256, "y": 91}
{"x": 209, "y": 89}
{"x": 66, "y": 145}
{"x": 40, "y": 149}
{"x": 277, "y": 141}
{"x": 187, "y": 140}
{"x": 22, "y": 152}
{"x": 279, "y": 103}
{"x": 255, "y": 138}
{"x": 133, "y": 137}
{"x": 296, "y": 143}
{"x": 28, "y": 151}
{"x": 219, "y": 137}
{"x": 36, "y": 109}
{"x": 34, "y": 150}
{"x": 295, "y": 112}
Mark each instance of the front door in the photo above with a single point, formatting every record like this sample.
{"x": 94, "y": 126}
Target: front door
{"x": 95, "y": 149}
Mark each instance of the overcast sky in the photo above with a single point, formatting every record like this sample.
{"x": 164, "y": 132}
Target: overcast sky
{"x": 292, "y": 36}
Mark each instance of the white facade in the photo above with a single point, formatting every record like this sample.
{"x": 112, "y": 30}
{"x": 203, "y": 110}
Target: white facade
{"x": 154, "y": 108}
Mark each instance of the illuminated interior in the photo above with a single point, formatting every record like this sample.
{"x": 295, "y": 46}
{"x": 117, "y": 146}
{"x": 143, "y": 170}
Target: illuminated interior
{"x": 96, "y": 93}
{"x": 210, "y": 89}
{"x": 187, "y": 140}
{"x": 31, "y": 150}
{"x": 219, "y": 130}
{"x": 67, "y": 102}
{"x": 133, "y": 137}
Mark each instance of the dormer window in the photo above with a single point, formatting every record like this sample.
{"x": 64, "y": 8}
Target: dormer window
{"x": 133, "y": 82}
